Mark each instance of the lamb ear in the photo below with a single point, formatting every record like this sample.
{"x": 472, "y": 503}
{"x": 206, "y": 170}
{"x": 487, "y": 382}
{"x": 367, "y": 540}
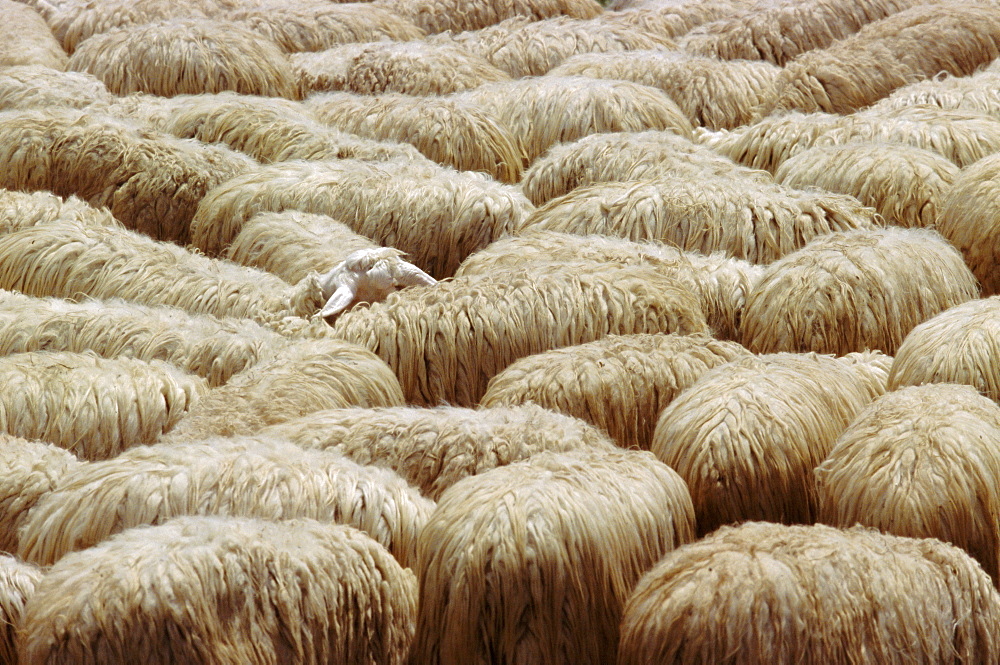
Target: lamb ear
{"x": 408, "y": 274}
{"x": 339, "y": 301}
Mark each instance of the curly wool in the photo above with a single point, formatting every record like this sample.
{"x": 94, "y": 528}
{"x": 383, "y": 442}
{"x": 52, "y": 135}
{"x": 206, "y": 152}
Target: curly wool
{"x": 445, "y": 342}
{"x": 94, "y": 407}
{"x": 829, "y": 595}
{"x": 224, "y": 589}
{"x": 532, "y": 562}
{"x": 18, "y": 581}
{"x": 746, "y": 435}
{"x": 25, "y": 39}
{"x": 969, "y": 220}
{"x": 437, "y": 216}
{"x": 756, "y": 221}
{"x": 676, "y": 17}
{"x": 855, "y": 290}
{"x": 979, "y": 91}
{"x": 22, "y": 210}
{"x": 216, "y": 56}
{"x": 435, "y": 16}
{"x": 37, "y": 86}
{"x": 467, "y": 137}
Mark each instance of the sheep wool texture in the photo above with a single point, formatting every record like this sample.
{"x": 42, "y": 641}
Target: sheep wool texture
{"x": 150, "y": 181}
{"x": 433, "y": 448}
{"x": 923, "y": 462}
{"x": 302, "y": 377}
{"x": 436, "y": 16}
{"x": 21, "y": 210}
{"x": 959, "y": 345}
{"x": 28, "y": 471}
{"x": 94, "y": 407}
{"x": 17, "y": 583}
{"x": 906, "y": 185}
{"x": 419, "y": 67}
{"x": 216, "y": 56}
{"x": 716, "y": 94}
{"x": 25, "y": 38}
{"x": 467, "y": 137}
{"x": 532, "y": 562}
{"x": 746, "y": 435}
{"x": 237, "y": 477}
{"x": 855, "y": 290}
{"x": 756, "y": 221}
{"x": 445, "y": 342}
{"x": 546, "y": 110}
{"x": 969, "y": 220}
{"x": 622, "y": 156}
{"x": 979, "y": 91}
{"x": 828, "y": 595}
{"x": 619, "y": 383}
{"x": 674, "y": 18}
{"x": 34, "y": 86}
{"x": 436, "y": 216}
{"x": 214, "y": 349}
{"x": 218, "y": 590}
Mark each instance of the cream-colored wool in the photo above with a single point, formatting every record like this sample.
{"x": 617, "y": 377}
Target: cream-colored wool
{"x": 17, "y": 583}
{"x": 301, "y": 378}
{"x": 69, "y": 260}
{"x": 717, "y": 94}
{"x": 923, "y": 462}
{"x": 433, "y": 448}
{"x": 746, "y": 435}
{"x": 94, "y": 407}
{"x": 683, "y": 15}
{"x": 620, "y": 156}
{"x": 25, "y": 38}
{"x": 959, "y": 345}
{"x": 533, "y": 562}
{"x": 240, "y": 477}
{"x": 969, "y": 220}
{"x": 855, "y": 290}
{"x": 218, "y": 590}
{"x": 906, "y": 185}
{"x": 187, "y": 57}
{"x": 436, "y": 216}
{"x": 722, "y": 283}
{"x": 28, "y": 471}
{"x": 524, "y": 47}
{"x": 212, "y": 348}
{"x": 546, "y": 110}
{"x": 619, "y": 383}
{"x": 150, "y": 181}
{"x": 445, "y": 342}
{"x": 468, "y": 137}
{"x": 436, "y": 16}
{"x": 764, "y": 594}
{"x": 21, "y": 210}
{"x": 979, "y": 91}
{"x": 756, "y": 221}
{"x": 315, "y": 25}
{"x": 36, "y": 86}
{"x": 414, "y": 68}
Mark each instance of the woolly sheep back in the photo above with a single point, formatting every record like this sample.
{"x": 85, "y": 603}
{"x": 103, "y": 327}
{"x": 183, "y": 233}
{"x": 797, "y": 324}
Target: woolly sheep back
{"x": 979, "y": 91}
{"x": 435, "y": 16}
{"x": 25, "y": 38}
{"x": 18, "y": 581}
{"x": 224, "y": 590}
{"x": 21, "y": 210}
{"x": 969, "y": 220}
{"x": 35, "y": 86}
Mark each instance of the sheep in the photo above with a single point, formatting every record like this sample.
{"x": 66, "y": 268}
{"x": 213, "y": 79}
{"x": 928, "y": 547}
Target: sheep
{"x": 28, "y": 471}
{"x": 923, "y": 462}
{"x": 94, "y": 407}
{"x": 25, "y": 38}
{"x": 979, "y": 91}
{"x": 435, "y": 16}
{"x": 300, "y": 378}
{"x": 445, "y": 342}
{"x": 546, "y": 110}
{"x": 969, "y": 221}
{"x": 214, "y": 349}
{"x": 811, "y": 595}
{"x": 17, "y": 583}
{"x": 213, "y": 590}
{"x": 444, "y": 129}
{"x": 435, "y": 447}
{"x": 419, "y": 68}
{"x": 35, "y": 86}
{"x": 150, "y": 181}
{"x": 683, "y": 15}
{"x": 619, "y": 383}
{"x": 436, "y": 216}
{"x": 721, "y": 282}
{"x": 316, "y": 25}
{"x": 958, "y": 345}
{"x": 620, "y": 156}
{"x": 855, "y": 290}
{"x": 522, "y": 47}
{"x": 756, "y": 221}
{"x": 150, "y": 485}
{"x": 906, "y": 185}
{"x": 747, "y": 434}
{"x": 532, "y": 562}
{"x": 712, "y": 93}
{"x": 217, "y": 56}
{"x": 369, "y": 275}
{"x": 21, "y": 210}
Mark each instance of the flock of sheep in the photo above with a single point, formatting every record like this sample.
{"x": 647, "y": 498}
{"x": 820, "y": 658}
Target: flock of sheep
{"x": 457, "y": 332}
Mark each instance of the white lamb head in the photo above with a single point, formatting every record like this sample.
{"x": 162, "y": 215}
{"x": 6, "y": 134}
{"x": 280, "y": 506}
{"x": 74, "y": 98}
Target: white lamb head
{"x": 369, "y": 275}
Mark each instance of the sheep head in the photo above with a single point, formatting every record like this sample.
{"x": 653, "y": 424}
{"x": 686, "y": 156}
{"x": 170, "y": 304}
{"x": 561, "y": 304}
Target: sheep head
{"x": 369, "y": 275}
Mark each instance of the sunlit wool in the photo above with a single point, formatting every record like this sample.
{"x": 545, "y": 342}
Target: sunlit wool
{"x": 970, "y": 222}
